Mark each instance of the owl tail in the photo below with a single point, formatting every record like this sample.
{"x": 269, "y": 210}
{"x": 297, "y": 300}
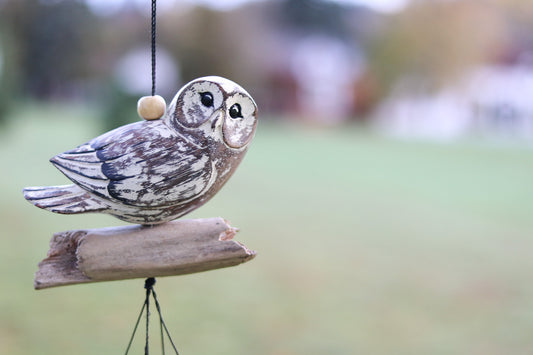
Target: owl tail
{"x": 66, "y": 199}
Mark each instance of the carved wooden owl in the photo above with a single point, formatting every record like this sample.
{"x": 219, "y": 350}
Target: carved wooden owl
{"x": 155, "y": 171}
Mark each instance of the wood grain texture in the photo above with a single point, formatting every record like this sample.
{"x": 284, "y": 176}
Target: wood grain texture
{"x": 127, "y": 252}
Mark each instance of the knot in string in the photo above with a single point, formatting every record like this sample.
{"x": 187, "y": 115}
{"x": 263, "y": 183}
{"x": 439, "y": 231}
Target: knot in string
{"x": 149, "y": 284}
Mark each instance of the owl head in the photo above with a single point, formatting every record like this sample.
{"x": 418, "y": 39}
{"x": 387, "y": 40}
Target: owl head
{"x": 215, "y": 108}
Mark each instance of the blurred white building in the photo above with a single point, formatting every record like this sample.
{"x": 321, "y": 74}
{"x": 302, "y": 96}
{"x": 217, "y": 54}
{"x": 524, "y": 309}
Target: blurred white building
{"x": 492, "y": 101}
{"x": 325, "y": 70}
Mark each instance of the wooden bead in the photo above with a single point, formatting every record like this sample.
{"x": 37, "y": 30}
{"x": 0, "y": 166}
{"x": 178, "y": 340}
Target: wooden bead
{"x": 151, "y": 107}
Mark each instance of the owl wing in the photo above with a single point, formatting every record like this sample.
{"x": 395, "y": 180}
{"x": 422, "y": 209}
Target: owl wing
{"x": 143, "y": 164}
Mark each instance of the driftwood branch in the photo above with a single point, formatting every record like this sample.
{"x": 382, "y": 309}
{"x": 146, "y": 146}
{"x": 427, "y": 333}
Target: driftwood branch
{"x": 127, "y": 252}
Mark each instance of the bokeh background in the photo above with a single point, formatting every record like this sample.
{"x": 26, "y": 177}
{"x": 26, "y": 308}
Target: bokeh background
{"x": 388, "y": 191}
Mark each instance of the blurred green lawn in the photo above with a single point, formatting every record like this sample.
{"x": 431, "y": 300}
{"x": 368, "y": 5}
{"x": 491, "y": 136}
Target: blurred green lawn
{"x": 366, "y": 245}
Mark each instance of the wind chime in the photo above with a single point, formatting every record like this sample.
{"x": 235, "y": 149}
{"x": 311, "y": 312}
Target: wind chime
{"x": 150, "y": 173}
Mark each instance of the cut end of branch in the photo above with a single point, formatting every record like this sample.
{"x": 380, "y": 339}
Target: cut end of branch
{"x": 60, "y": 266}
{"x": 118, "y": 253}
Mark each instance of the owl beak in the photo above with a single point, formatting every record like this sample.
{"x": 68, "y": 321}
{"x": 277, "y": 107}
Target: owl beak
{"x": 216, "y": 117}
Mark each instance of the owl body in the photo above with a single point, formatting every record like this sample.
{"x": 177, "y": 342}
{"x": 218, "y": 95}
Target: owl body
{"x": 152, "y": 172}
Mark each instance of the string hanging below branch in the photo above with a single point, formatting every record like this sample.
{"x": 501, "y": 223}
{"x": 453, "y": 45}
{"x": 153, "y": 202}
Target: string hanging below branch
{"x": 149, "y": 286}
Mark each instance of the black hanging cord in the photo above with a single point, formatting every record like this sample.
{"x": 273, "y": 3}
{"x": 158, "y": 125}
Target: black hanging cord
{"x": 149, "y": 286}
{"x": 162, "y": 326}
{"x": 153, "y": 44}
{"x": 136, "y": 325}
{"x": 150, "y": 282}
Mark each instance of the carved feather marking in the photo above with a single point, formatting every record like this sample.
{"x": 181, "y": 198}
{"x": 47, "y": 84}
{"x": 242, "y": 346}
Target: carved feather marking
{"x": 63, "y": 199}
{"x": 79, "y": 167}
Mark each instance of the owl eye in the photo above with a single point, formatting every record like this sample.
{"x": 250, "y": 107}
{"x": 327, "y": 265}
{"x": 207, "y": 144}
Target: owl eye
{"x": 197, "y": 102}
{"x": 207, "y": 99}
{"x": 240, "y": 121}
{"x": 235, "y": 111}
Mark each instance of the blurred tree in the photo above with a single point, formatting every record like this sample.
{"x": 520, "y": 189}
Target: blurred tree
{"x": 52, "y": 42}
{"x": 236, "y": 43}
{"x": 433, "y": 43}
{"x": 8, "y": 77}
{"x": 118, "y": 107}
{"x": 322, "y": 16}
{"x": 200, "y": 43}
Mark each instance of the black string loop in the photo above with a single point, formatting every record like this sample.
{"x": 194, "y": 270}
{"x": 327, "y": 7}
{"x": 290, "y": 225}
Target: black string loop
{"x": 149, "y": 286}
